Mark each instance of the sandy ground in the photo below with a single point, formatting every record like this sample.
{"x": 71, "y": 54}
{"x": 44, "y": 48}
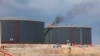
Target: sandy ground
{"x": 49, "y": 50}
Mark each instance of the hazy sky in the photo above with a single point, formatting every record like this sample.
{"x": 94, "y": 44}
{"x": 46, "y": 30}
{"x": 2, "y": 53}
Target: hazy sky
{"x": 75, "y": 12}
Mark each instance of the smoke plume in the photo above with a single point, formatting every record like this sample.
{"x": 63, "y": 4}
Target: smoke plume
{"x": 79, "y": 9}
{"x": 75, "y": 11}
{"x": 58, "y": 20}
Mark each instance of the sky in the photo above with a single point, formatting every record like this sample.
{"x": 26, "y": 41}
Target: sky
{"x": 75, "y": 12}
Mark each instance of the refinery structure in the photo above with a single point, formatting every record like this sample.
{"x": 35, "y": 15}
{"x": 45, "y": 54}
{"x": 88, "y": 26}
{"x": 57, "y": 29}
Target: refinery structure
{"x": 34, "y": 32}
{"x": 19, "y": 37}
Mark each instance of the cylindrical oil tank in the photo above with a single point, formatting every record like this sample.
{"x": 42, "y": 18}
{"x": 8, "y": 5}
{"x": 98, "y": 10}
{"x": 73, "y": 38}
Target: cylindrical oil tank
{"x": 75, "y": 35}
{"x": 21, "y": 31}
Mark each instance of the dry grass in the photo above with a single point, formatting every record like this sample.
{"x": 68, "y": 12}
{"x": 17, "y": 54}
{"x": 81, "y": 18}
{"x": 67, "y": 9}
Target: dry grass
{"x": 48, "y": 50}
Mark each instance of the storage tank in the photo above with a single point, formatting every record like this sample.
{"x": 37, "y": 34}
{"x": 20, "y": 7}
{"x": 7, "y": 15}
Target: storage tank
{"x": 74, "y": 35}
{"x": 21, "y": 31}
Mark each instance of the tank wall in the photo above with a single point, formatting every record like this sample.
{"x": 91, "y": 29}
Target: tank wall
{"x": 8, "y": 31}
{"x": 31, "y": 32}
{"x": 20, "y": 31}
{"x": 75, "y": 39}
{"x": 63, "y": 35}
{"x": 86, "y": 38}
{"x": 74, "y": 34}
{"x": 58, "y": 35}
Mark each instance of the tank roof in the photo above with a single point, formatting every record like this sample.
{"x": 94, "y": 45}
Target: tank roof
{"x": 72, "y": 26}
{"x": 16, "y": 18}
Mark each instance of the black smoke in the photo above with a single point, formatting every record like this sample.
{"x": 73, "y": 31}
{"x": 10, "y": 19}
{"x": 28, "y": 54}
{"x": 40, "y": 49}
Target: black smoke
{"x": 78, "y": 9}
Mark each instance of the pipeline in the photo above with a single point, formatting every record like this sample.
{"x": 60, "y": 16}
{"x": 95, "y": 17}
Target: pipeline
{"x": 3, "y": 52}
{"x": 7, "y": 54}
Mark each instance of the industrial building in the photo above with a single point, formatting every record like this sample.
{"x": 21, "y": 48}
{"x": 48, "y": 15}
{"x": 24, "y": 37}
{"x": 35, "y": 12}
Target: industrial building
{"x": 71, "y": 34}
{"x": 21, "y": 31}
